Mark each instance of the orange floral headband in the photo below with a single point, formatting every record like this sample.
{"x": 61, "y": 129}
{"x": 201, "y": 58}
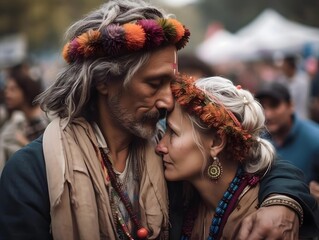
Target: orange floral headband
{"x": 115, "y": 40}
{"x": 213, "y": 114}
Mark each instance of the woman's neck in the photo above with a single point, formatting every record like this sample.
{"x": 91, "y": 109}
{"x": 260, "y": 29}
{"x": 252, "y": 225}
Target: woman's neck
{"x": 212, "y": 191}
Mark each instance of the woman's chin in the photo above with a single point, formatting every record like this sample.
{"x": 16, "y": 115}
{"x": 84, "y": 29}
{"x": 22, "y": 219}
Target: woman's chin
{"x": 169, "y": 176}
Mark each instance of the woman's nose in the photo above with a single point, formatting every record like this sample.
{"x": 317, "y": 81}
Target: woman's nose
{"x": 160, "y": 148}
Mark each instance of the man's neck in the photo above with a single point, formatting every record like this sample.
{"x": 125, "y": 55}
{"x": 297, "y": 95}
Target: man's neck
{"x": 280, "y": 136}
{"x": 118, "y": 141}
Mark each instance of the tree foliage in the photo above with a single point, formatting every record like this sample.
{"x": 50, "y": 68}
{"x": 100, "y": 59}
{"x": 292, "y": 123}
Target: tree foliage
{"x": 236, "y": 14}
{"x": 45, "y": 21}
{"x": 42, "y": 21}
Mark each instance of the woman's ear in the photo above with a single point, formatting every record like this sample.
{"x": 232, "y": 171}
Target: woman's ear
{"x": 217, "y": 145}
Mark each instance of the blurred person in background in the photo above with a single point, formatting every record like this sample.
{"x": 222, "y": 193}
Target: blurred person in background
{"x": 3, "y": 110}
{"x": 26, "y": 121}
{"x": 298, "y": 82}
{"x": 295, "y": 139}
{"x": 314, "y": 94}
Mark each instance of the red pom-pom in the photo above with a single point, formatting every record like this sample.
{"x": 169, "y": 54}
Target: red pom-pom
{"x": 142, "y": 233}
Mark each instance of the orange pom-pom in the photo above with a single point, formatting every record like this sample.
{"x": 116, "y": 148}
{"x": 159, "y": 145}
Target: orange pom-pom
{"x": 180, "y": 31}
{"x": 134, "y": 36}
{"x": 65, "y": 52}
{"x": 87, "y": 41}
{"x": 82, "y": 40}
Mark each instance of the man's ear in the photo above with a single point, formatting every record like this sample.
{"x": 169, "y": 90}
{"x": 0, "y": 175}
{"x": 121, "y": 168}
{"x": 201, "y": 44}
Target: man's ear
{"x": 102, "y": 88}
{"x": 217, "y": 145}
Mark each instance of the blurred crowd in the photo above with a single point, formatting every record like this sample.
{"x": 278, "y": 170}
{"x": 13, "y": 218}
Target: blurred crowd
{"x": 299, "y": 74}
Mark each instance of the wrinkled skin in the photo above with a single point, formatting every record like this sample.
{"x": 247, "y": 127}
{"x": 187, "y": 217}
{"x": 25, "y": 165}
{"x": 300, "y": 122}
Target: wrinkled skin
{"x": 273, "y": 222}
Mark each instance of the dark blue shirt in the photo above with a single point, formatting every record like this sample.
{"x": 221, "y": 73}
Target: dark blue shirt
{"x": 301, "y": 147}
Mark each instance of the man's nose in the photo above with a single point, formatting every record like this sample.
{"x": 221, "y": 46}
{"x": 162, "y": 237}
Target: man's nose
{"x": 166, "y": 100}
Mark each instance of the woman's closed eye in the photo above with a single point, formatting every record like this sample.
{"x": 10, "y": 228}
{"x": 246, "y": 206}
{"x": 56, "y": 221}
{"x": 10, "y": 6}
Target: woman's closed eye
{"x": 170, "y": 131}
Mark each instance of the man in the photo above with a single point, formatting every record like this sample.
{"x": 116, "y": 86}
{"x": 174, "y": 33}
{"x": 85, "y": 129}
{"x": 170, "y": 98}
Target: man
{"x": 296, "y": 140}
{"x": 95, "y": 175}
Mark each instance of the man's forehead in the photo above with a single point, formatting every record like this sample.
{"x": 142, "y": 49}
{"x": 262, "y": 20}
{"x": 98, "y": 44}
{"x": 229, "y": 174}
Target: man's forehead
{"x": 163, "y": 61}
{"x": 174, "y": 65}
{"x": 270, "y": 101}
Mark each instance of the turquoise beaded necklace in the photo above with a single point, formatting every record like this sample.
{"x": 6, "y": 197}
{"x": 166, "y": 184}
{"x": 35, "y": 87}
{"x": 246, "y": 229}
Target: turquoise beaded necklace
{"x": 223, "y": 204}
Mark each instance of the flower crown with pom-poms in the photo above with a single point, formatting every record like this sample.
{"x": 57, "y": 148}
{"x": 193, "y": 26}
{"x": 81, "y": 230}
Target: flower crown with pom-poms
{"x": 115, "y": 40}
{"x": 213, "y": 114}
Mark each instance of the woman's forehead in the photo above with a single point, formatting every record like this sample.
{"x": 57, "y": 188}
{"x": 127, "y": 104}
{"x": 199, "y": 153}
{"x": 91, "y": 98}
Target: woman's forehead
{"x": 178, "y": 115}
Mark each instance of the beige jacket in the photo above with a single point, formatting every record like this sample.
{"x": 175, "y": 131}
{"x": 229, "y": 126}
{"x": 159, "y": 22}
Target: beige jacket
{"x": 80, "y": 206}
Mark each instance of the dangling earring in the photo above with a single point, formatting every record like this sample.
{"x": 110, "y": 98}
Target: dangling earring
{"x": 215, "y": 170}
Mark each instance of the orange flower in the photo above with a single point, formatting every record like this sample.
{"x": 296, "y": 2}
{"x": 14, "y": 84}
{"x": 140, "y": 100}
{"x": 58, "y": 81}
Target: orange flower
{"x": 88, "y": 42}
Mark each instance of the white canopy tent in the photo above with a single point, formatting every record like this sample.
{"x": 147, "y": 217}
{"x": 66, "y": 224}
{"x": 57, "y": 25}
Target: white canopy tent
{"x": 272, "y": 32}
{"x": 269, "y": 33}
{"x": 222, "y": 47}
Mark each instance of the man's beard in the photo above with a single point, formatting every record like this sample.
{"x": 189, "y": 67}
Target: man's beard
{"x": 144, "y": 128}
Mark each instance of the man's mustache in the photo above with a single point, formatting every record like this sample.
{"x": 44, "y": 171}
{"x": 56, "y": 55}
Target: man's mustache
{"x": 154, "y": 116}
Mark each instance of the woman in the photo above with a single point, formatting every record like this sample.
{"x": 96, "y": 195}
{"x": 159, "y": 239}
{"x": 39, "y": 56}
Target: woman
{"x": 212, "y": 142}
{"x": 25, "y": 121}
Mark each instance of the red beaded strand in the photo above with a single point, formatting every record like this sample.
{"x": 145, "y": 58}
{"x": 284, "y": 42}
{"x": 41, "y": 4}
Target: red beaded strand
{"x": 141, "y": 232}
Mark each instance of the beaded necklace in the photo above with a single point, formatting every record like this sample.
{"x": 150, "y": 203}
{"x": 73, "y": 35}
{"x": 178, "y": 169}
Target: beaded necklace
{"x": 224, "y": 207}
{"x": 118, "y": 187}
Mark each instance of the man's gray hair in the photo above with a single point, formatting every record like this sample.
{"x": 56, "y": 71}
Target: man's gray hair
{"x": 73, "y": 94}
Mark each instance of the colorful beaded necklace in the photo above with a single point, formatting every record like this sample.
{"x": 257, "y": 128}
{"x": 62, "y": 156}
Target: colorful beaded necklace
{"x": 118, "y": 187}
{"x": 225, "y": 206}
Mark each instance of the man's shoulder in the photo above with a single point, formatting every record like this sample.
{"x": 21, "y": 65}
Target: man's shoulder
{"x": 308, "y": 132}
{"x": 34, "y": 148}
{"x": 310, "y": 127}
{"x": 27, "y": 158}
